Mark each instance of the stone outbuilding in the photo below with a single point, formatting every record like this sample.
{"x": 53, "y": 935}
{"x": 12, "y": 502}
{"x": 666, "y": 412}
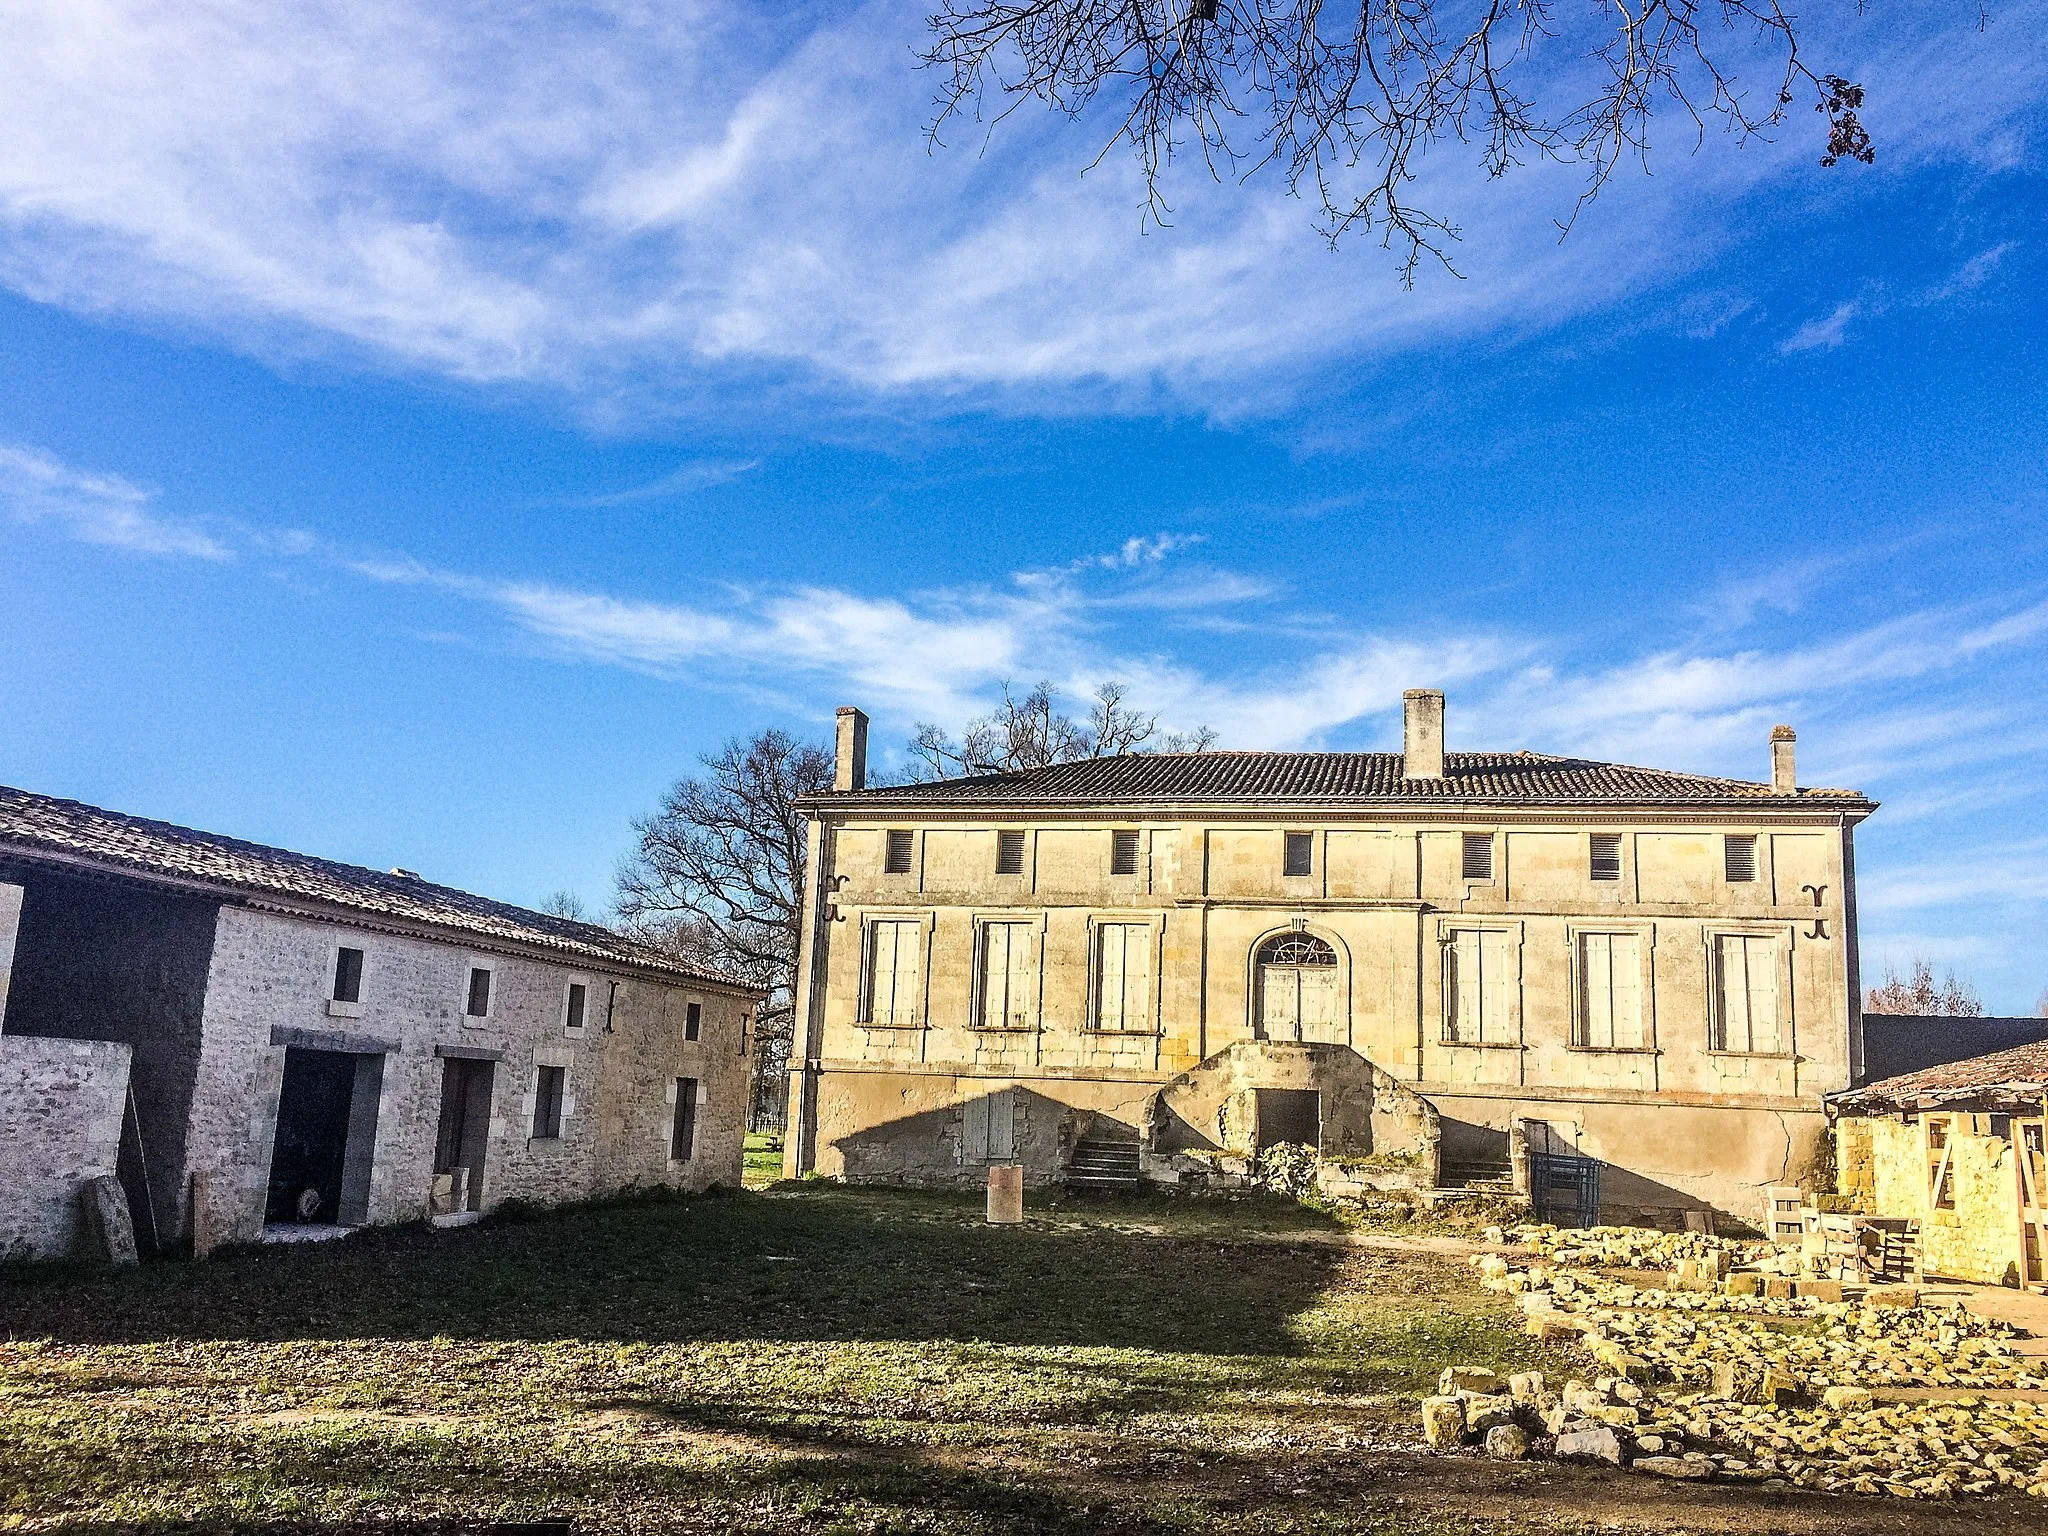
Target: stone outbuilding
{"x": 254, "y": 1039}
{"x": 1498, "y": 968}
{"x": 1960, "y": 1151}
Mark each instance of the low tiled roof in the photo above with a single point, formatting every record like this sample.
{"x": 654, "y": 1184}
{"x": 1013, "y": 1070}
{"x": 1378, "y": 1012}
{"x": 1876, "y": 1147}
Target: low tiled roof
{"x": 1509, "y": 778}
{"x": 2018, "y": 1073}
{"x": 32, "y": 825}
{"x": 1897, "y": 1044}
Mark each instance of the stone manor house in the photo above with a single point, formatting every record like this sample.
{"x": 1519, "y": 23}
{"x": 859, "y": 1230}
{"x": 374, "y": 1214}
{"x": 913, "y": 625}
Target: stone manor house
{"x": 1434, "y": 961}
{"x": 256, "y": 1040}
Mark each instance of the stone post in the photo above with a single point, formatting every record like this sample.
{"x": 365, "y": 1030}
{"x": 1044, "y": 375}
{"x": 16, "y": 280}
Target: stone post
{"x": 1005, "y": 1194}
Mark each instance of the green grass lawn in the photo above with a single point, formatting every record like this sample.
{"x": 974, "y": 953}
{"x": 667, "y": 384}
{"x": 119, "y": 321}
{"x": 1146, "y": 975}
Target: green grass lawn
{"x": 813, "y": 1358}
{"x": 761, "y": 1163}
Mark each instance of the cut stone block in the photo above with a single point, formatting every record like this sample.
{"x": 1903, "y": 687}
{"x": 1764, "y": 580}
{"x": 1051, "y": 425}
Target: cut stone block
{"x": 1745, "y": 1284}
{"x": 1507, "y": 1442}
{"x": 107, "y": 1220}
{"x": 1819, "y": 1290}
{"x": 1443, "y": 1421}
{"x": 1468, "y": 1378}
{"x": 1886, "y": 1297}
{"x": 1526, "y": 1386}
{"x": 1845, "y": 1399}
{"x": 1006, "y": 1194}
{"x": 1601, "y": 1444}
{"x": 1693, "y": 1467}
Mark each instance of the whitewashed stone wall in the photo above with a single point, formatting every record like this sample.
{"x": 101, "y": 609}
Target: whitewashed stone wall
{"x": 60, "y": 1124}
{"x": 269, "y": 987}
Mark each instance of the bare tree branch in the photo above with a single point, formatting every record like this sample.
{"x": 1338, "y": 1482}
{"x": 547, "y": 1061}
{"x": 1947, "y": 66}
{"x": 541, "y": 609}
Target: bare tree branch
{"x": 1330, "y": 92}
{"x": 1033, "y": 732}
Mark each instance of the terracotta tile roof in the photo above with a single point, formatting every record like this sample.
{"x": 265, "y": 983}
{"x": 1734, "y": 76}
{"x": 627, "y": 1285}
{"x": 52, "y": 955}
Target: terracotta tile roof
{"x": 1509, "y": 778}
{"x": 2020, "y": 1072}
{"x": 33, "y": 826}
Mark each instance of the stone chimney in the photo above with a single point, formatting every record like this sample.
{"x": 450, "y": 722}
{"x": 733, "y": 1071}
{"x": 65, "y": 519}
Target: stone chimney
{"x": 1784, "y": 777}
{"x": 850, "y": 762}
{"x": 1422, "y": 733}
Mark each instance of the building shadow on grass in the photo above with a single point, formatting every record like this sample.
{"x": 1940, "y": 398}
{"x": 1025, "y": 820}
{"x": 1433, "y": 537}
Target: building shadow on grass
{"x": 813, "y": 1264}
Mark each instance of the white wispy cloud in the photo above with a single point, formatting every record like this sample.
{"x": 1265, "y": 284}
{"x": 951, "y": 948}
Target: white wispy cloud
{"x": 35, "y": 487}
{"x": 621, "y": 196}
{"x": 698, "y": 475}
{"x": 1824, "y": 334}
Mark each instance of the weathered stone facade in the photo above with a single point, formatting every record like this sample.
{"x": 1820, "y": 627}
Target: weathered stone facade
{"x": 1240, "y": 878}
{"x": 61, "y": 1104}
{"x": 427, "y": 1053}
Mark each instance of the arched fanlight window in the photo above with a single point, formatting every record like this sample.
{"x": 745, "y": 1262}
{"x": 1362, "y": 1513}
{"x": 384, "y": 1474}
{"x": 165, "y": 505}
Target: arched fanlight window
{"x": 1296, "y": 949}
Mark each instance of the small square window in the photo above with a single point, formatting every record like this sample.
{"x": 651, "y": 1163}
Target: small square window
{"x": 1300, "y": 855}
{"x": 693, "y": 1020}
{"x": 479, "y": 1006}
{"x": 547, "y": 1102}
{"x": 683, "y": 1133}
{"x": 579, "y": 1001}
{"x": 896, "y": 859}
{"x": 1478, "y": 864}
{"x": 1739, "y": 858}
{"x": 348, "y": 976}
{"x": 1606, "y": 856}
{"x": 1009, "y": 853}
{"x": 1123, "y": 853}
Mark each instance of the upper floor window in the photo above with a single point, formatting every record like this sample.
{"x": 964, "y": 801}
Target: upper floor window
{"x": 1299, "y": 857}
{"x": 1738, "y": 858}
{"x": 1009, "y": 853}
{"x": 1123, "y": 853}
{"x": 1477, "y": 987}
{"x": 896, "y": 855}
{"x": 1478, "y": 862}
{"x": 575, "y": 1007}
{"x": 1744, "y": 994}
{"x": 478, "y": 1005}
{"x": 1606, "y": 856}
{"x": 1123, "y": 976}
{"x": 693, "y": 1020}
{"x": 1610, "y": 1011}
{"x": 890, "y": 990}
{"x": 348, "y": 976}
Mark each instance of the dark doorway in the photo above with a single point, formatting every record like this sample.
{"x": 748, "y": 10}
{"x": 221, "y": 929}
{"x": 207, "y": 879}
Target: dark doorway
{"x": 1290, "y": 1114}
{"x": 465, "y": 1123}
{"x": 312, "y": 1136}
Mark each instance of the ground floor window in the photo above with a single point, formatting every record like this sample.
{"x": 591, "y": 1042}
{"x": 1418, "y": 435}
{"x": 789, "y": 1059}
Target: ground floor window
{"x": 683, "y": 1132}
{"x": 890, "y": 989}
{"x": 1745, "y": 994}
{"x": 1123, "y": 976}
{"x": 1479, "y": 986}
{"x": 548, "y": 1086}
{"x": 1005, "y": 976}
{"x": 1610, "y": 1013}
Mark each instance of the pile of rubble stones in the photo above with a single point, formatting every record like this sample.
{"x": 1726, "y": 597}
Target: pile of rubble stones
{"x": 1735, "y": 1374}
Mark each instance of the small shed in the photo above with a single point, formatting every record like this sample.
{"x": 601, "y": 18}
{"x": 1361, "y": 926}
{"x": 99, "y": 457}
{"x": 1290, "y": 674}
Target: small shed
{"x": 1960, "y": 1149}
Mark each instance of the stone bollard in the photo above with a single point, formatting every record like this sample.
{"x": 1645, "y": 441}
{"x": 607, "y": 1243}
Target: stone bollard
{"x": 1006, "y": 1193}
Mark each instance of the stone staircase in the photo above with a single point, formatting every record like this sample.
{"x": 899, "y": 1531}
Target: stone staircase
{"x": 1480, "y": 1173}
{"x": 1103, "y": 1163}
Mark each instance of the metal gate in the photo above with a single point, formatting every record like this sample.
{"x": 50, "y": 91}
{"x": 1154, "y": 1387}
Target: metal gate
{"x": 1565, "y": 1188}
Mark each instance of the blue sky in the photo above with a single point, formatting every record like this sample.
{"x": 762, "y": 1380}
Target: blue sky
{"x": 423, "y": 431}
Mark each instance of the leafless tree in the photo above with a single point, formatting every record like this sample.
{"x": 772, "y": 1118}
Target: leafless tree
{"x": 1334, "y": 93}
{"x": 1033, "y": 732}
{"x": 718, "y": 876}
{"x": 2041, "y": 1005}
{"x": 567, "y": 904}
{"x": 1917, "y": 993}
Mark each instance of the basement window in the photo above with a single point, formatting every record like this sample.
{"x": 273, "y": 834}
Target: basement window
{"x": 1478, "y": 864}
{"x": 479, "y": 1004}
{"x": 1606, "y": 856}
{"x": 1009, "y": 853}
{"x": 1738, "y": 859}
{"x": 896, "y": 857}
{"x": 548, "y": 1085}
{"x": 1123, "y": 853}
{"x": 348, "y": 976}
{"x": 1299, "y": 858}
{"x": 693, "y": 1020}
